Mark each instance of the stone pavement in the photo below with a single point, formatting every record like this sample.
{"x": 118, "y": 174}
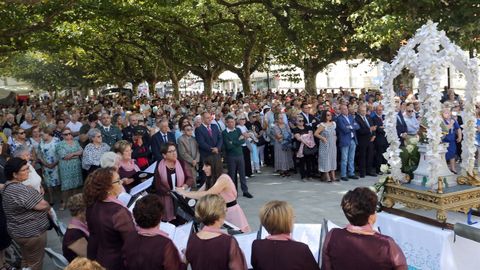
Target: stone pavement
{"x": 312, "y": 201}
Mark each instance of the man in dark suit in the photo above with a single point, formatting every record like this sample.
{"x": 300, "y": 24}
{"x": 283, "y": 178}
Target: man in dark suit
{"x": 163, "y": 136}
{"x": 366, "y": 138}
{"x": 401, "y": 124}
{"x": 347, "y": 140}
{"x": 209, "y": 140}
{"x": 381, "y": 143}
{"x": 308, "y": 119}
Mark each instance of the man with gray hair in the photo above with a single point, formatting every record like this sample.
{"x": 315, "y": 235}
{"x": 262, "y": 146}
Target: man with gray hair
{"x": 163, "y": 136}
{"x": 27, "y": 124}
{"x": 9, "y": 121}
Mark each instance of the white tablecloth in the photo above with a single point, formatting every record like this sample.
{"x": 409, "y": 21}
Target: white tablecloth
{"x": 430, "y": 248}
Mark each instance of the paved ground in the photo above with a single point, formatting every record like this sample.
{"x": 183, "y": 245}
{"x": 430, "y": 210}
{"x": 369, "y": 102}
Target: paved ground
{"x": 312, "y": 200}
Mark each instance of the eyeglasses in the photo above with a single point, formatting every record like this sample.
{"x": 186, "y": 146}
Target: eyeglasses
{"x": 300, "y": 120}
{"x": 66, "y": 134}
{"x": 172, "y": 151}
{"x": 242, "y": 119}
{"x": 118, "y": 181}
{"x": 188, "y": 129}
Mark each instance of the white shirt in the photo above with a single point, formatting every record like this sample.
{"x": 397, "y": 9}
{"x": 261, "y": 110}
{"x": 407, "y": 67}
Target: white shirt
{"x": 220, "y": 124}
{"x": 24, "y": 125}
{"x": 350, "y": 124}
{"x": 74, "y": 127}
{"x": 34, "y": 180}
{"x": 307, "y": 118}
{"x": 243, "y": 129}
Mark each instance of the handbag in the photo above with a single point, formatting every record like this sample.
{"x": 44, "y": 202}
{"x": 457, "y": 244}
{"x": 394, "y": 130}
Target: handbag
{"x": 261, "y": 140}
{"x": 287, "y": 145}
{"x": 307, "y": 151}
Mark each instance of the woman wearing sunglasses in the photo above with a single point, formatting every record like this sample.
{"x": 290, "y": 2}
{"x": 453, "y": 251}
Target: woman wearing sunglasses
{"x": 69, "y": 165}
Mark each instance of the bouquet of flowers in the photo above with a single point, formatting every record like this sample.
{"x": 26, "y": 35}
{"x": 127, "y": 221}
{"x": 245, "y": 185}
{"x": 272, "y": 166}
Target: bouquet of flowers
{"x": 379, "y": 187}
{"x": 410, "y": 156}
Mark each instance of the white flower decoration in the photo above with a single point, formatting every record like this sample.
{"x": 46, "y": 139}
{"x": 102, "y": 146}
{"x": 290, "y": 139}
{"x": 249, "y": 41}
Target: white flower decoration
{"x": 433, "y": 54}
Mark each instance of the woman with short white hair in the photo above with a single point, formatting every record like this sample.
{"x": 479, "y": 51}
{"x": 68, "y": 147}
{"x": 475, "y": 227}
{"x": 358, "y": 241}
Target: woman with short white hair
{"x": 94, "y": 150}
{"x": 110, "y": 159}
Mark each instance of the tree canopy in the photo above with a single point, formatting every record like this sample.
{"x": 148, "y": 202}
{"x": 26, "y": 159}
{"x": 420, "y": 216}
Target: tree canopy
{"x": 61, "y": 44}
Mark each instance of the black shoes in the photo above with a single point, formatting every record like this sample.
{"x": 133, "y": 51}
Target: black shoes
{"x": 353, "y": 177}
{"x": 247, "y": 195}
{"x": 344, "y": 178}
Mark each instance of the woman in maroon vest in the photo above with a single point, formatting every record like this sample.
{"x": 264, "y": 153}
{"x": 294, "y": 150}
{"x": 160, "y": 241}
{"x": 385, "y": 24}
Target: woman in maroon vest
{"x": 278, "y": 250}
{"x": 359, "y": 246}
{"x": 211, "y": 248}
{"x": 150, "y": 248}
{"x": 109, "y": 221}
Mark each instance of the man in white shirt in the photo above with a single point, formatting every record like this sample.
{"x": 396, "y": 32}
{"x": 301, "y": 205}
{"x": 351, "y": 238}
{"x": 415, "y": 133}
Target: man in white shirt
{"x": 74, "y": 125}
{"x": 411, "y": 120}
{"x": 27, "y": 124}
{"x": 219, "y": 120}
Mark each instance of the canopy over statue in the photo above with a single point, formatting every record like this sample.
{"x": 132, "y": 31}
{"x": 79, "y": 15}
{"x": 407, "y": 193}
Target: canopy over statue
{"x": 427, "y": 55}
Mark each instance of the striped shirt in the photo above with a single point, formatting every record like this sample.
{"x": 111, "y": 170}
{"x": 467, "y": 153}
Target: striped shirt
{"x": 22, "y": 220}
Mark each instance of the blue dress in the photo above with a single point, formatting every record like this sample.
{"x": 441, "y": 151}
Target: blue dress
{"x": 450, "y": 138}
{"x": 477, "y": 135}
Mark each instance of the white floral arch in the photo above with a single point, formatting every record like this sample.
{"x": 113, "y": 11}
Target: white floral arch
{"x": 427, "y": 55}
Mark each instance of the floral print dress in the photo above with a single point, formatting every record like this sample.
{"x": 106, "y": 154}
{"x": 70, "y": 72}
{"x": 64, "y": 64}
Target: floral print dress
{"x": 46, "y": 152}
{"x": 70, "y": 170}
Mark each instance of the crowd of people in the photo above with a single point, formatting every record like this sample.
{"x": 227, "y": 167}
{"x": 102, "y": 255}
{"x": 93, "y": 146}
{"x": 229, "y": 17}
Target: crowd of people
{"x": 88, "y": 152}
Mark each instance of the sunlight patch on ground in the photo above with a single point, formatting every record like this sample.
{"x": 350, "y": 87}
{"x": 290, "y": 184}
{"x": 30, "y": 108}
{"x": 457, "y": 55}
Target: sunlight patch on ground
{"x": 307, "y": 191}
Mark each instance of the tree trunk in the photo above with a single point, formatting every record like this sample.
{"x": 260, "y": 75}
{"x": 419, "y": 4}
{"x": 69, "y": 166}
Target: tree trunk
{"x": 84, "y": 92}
{"x": 246, "y": 85}
{"x": 135, "y": 88}
{"x": 405, "y": 78}
{"x": 151, "y": 87}
{"x": 207, "y": 85}
{"x": 310, "y": 79}
{"x": 176, "y": 88}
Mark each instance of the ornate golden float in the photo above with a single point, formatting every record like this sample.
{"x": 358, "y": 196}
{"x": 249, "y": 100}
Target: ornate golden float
{"x": 460, "y": 198}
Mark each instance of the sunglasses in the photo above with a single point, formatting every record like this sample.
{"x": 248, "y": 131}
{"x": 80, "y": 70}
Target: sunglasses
{"x": 21, "y": 133}
{"x": 300, "y": 120}
{"x": 66, "y": 134}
